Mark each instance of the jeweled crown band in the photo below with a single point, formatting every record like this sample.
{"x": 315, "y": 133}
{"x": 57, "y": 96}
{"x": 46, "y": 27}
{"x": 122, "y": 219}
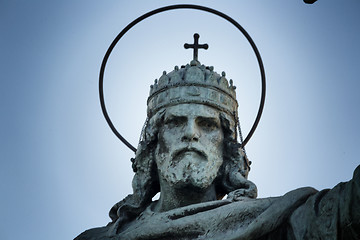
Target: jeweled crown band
{"x": 193, "y": 83}
{"x": 192, "y": 93}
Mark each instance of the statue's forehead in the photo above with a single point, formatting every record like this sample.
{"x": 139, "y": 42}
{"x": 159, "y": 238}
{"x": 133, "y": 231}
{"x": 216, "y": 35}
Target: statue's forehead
{"x": 195, "y": 110}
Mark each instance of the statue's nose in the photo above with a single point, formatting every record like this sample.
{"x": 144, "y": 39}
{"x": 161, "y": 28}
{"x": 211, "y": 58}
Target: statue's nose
{"x": 191, "y": 132}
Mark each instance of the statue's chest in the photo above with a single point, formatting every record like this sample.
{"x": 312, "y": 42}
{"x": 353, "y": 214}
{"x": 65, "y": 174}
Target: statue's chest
{"x": 204, "y": 221}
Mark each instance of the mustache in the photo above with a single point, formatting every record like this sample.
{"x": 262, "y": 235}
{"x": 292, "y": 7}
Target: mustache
{"x": 177, "y": 153}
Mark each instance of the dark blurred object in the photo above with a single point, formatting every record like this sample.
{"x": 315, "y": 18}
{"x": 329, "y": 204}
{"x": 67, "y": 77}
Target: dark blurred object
{"x": 309, "y": 1}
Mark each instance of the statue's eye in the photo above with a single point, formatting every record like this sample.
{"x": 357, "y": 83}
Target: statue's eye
{"x": 208, "y": 124}
{"x": 175, "y": 121}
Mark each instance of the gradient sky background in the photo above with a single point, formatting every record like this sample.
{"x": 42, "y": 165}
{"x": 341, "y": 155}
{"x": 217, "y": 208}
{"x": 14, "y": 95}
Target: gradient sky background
{"x": 62, "y": 168}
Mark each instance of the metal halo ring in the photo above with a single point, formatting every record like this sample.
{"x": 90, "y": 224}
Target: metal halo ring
{"x": 173, "y": 7}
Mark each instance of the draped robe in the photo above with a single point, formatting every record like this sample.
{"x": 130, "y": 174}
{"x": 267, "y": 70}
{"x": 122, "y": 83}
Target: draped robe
{"x": 300, "y": 214}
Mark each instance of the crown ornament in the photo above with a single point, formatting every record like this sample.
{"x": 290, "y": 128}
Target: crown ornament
{"x": 193, "y": 83}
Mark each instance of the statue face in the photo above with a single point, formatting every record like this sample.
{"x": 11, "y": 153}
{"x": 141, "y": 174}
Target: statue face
{"x": 190, "y": 147}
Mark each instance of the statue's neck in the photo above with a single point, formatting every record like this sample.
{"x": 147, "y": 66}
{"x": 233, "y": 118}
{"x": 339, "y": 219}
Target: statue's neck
{"x": 171, "y": 197}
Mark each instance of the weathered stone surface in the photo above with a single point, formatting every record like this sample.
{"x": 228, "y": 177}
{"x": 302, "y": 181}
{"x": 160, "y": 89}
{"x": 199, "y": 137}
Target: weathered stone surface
{"x": 189, "y": 153}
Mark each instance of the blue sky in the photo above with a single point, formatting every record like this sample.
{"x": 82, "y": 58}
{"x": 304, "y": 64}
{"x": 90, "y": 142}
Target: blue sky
{"x": 62, "y": 168}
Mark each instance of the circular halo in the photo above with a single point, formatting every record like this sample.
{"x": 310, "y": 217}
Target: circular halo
{"x": 173, "y": 7}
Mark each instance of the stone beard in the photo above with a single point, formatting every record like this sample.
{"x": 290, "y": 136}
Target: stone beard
{"x": 190, "y": 148}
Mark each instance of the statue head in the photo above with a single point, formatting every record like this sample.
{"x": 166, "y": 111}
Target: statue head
{"x": 189, "y": 152}
{"x": 189, "y": 140}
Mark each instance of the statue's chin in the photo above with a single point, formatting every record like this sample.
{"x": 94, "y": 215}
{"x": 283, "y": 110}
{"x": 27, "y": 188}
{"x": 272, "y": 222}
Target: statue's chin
{"x": 191, "y": 171}
{"x": 189, "y": 179}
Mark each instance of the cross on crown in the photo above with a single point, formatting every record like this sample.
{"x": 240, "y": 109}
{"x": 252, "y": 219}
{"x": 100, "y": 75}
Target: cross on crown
{"x": 196, "y": 46}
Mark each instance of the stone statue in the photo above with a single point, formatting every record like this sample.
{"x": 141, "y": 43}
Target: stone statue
{"x": 190, "y": 154}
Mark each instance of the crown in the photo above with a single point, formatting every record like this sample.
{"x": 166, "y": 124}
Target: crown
{"x": 193, "y": 83}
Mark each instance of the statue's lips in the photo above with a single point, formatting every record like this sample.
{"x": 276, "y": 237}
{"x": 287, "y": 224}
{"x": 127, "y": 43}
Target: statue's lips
{"x": 179, "y": 154}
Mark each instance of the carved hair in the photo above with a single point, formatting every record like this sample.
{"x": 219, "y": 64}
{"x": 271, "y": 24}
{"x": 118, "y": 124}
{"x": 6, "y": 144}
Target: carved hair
{"x": 231, "y": 179}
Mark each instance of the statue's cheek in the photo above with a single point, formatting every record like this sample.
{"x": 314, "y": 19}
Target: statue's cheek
{"x": 216, "y": 138}
{"x": 163, "y": 144}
